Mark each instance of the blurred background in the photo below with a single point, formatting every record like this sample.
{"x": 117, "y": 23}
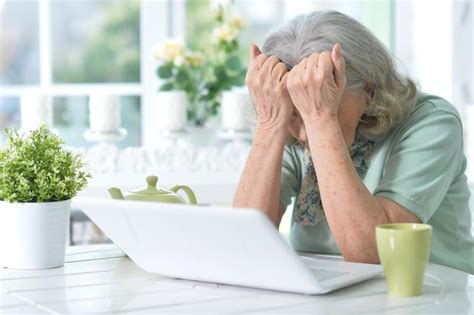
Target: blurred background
{"x": 69, "y": 47}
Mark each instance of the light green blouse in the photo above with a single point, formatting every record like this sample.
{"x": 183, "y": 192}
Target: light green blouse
{"x": 420, "y": 165}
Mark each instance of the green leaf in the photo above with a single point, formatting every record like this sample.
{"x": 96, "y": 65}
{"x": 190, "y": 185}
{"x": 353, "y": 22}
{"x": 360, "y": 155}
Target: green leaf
{"x": 238, "y": 80}
{"x": 233, "y": 63}
{"x": 167, "y": 87}
{"x": 242, "y": 74}
{"x": 220, "y": 74}
{"x": 164, "y": 71}
{"x": 182, "y": 77}
{"x": 214, "y": 108}
{"x": 37, "y": 168}
{"x": 226, "y": 85}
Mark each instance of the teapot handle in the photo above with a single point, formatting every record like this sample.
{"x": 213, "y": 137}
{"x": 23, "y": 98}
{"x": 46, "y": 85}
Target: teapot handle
{"x": 187, "y": 190}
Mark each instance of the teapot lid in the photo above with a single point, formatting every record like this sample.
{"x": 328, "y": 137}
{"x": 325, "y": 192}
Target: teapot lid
{"x": 151, "y": 188}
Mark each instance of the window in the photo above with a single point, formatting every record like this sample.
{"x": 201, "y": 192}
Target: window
{"x": 437, "y": 50}
{"x": 71, "y": 49}
{"x": 19, "y": 52}
{"x": 95, "y": 41}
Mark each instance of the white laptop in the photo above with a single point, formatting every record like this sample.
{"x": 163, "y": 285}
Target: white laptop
{"x": 216, "y": 244}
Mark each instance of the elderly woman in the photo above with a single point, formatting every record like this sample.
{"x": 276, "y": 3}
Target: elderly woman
{"x": 365, "y": 146}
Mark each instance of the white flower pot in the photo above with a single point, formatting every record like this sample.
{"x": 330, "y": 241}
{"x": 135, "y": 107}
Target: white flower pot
{"x": 171, "y": 110}
{"x": 33, "y": 235}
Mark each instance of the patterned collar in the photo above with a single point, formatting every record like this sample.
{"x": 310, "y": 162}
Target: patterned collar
{"x": 309, "y": 207}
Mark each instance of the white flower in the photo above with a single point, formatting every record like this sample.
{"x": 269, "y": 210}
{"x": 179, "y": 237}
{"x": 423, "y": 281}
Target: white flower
{"x": 170, "y": 50}
{"x": 225, "y": 33}
{"x": 194, "y": 59}
{"x": 179, "y": 61}
{"x": 236, "y": 23}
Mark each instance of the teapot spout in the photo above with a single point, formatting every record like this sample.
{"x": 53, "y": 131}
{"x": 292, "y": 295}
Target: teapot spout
{"x": 115, "y": 193}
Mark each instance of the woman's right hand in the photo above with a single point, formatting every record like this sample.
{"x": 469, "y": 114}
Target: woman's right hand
{"x": 266, "y": 81}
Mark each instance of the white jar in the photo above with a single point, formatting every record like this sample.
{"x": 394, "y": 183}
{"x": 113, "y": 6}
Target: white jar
{"x": 33, "y": 235}
{"x": 36, "y": 110}
{"x": 234, "y": 104}
{"x": 104, "y": 112}
{"x": 171, "y": 110}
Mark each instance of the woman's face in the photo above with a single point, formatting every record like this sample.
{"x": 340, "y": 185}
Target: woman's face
{"x": 350, "y": 111}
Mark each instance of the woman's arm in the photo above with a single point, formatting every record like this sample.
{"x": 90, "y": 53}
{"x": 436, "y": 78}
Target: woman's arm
{"x": 351, "y": 210}
{"x": 259, "y": 185}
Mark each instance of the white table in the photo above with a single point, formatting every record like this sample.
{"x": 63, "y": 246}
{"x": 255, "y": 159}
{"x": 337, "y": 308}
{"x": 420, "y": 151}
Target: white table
{"x": 100, "y": 278}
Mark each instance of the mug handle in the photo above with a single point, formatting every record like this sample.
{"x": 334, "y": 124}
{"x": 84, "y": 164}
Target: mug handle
{"x": 187, "y": 190}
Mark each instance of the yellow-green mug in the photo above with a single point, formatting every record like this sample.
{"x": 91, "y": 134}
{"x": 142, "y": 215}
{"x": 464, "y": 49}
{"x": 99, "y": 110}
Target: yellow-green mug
{"x": 404, "y": 249}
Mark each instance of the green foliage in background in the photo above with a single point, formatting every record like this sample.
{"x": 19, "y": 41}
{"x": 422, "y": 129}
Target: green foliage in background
{"x": 38, "y": 169}
{"x": 111, "y": 54}
{"x": 199, "y": 23}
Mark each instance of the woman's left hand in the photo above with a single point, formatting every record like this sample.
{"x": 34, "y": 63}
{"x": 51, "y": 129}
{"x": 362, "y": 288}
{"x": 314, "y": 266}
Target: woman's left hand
{"x": 316, "y": 85}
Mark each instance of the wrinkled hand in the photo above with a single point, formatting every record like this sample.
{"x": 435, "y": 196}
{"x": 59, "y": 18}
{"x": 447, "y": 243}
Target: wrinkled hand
{"x": 316, "y": 85}
{"x": 266, "y": 81}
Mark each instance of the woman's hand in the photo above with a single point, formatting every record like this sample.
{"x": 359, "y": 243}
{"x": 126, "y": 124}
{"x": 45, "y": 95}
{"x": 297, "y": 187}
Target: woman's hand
{"x": 266, "y": 80}
{"x": 316, "y": 85}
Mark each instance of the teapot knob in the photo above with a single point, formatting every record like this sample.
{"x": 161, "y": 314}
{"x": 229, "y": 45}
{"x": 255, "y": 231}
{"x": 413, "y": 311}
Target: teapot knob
{"x": 152, "y": 181}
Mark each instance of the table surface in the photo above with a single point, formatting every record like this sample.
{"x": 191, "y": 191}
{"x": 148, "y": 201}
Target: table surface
{"x": 99, "y": 278}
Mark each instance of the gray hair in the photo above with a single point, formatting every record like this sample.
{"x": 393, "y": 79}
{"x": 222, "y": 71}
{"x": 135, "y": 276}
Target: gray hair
{"x": 368, "y": 63}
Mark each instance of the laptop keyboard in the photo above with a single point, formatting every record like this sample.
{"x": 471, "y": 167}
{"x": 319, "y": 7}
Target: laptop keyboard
{"x": 324, "y": 274}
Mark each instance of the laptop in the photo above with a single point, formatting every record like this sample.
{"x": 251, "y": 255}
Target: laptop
{"x": 216, "y": 244}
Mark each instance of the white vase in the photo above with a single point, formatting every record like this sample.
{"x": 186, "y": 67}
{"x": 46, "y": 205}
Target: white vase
{"x": 234, "y": 105}
{"x": 104, "y": 113}
{"x": 36, "y": 110}
{"x": 171, "y": 114}
{"x": 33, "y": 235}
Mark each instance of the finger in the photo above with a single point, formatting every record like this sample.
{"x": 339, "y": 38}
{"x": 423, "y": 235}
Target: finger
{"x": 268, "y": 65}
{"x": 279, "y": 70}
{"x": 313, "y": 61}
{"x": 339, "y": 64}
{"x": 295, "y": 73}
{"x": 325, "y": 62}
{"x": 284, "y": 82}
{"x": 299, "y": 68}
{"x": 258, "y": 62}
{"x": 303, "y": 63}
{"x": 288, "y": 76}
{"x": 284, "y": 78}
{"x": 254, "y": 51}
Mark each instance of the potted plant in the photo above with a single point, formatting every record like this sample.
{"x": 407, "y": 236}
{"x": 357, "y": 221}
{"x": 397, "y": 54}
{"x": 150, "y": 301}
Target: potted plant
{"x": 38, "y": 178}
{"x": 200, "y": 75}
{"x": 178, "y": 72}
